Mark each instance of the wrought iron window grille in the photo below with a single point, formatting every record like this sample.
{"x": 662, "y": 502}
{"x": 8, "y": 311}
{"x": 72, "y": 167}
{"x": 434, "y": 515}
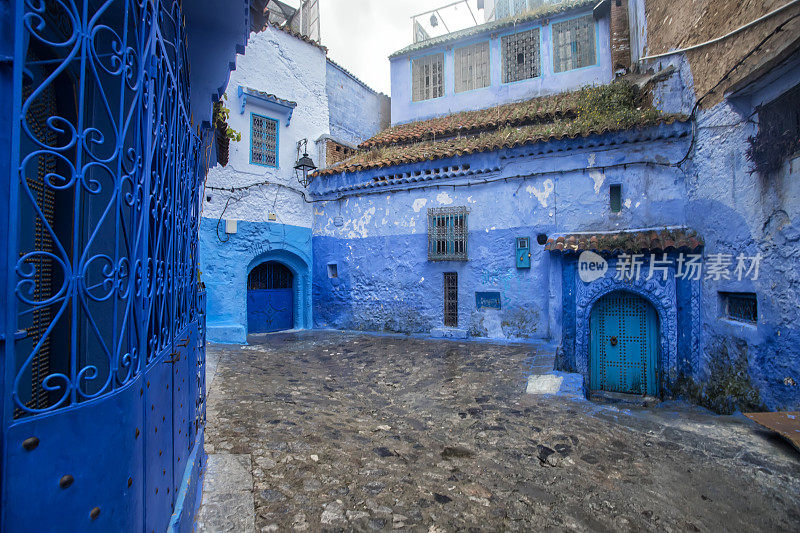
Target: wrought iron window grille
{"x": 447, "y": 233}
{"x": 521, "y": 59}
{"x": 263, "y": 141}
{"x": 574, "y": 44}
{"x": 108, "y": 170}
{"x": 451, "y": 299}
{"x": 740, "y": 306}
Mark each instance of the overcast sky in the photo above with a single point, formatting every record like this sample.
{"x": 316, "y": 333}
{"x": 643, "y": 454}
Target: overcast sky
{"x": 360, "y": 34}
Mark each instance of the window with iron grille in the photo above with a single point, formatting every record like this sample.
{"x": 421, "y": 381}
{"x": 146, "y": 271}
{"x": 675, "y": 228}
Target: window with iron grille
{"x": 740, "y": 306}
{"x": 573, "y": 44}
{"x": 447, "y": 234}
{"x": 472, "y": 67}
{"x": 451, "y": 299}
{"x": 520, "y": 55}
{"x": 263, "y": 141}
{"x": 427, "y": 77}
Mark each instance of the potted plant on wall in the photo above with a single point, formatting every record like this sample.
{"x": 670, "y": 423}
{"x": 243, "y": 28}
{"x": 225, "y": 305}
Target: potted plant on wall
{"x": 224, "y": 133}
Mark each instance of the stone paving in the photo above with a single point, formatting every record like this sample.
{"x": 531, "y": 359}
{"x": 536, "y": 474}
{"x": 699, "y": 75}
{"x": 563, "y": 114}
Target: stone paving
{"x": 351, "y": 432}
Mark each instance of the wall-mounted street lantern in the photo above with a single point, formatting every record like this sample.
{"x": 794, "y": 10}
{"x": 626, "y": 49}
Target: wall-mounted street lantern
{"x": 304, "y": 164}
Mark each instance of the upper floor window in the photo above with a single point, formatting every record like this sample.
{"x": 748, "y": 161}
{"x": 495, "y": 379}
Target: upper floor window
{"x": 427, "y": 77}
{"x": 447, "y": 234}
{"x": 520, "y": 55}
{"x": 263, "y": 141}
{"x": 573, "y": 43}
{"x": 472, "y": 67}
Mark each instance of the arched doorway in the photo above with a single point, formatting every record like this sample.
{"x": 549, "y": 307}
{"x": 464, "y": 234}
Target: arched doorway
{"x": 270, "y": 298}
{"x": 624, "y": 345}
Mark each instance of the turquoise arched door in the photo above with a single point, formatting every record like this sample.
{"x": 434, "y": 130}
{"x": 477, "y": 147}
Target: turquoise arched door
{"x": 624, "y": 345}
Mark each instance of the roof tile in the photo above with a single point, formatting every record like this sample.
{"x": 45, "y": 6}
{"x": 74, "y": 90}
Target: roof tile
{"x": 627, "y": 241}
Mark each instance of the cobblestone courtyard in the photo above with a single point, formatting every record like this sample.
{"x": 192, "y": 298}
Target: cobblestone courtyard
{"x": 339, "y": 431}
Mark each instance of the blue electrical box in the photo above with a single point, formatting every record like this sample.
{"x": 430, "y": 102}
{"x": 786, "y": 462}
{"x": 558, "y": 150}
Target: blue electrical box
{"x": 523, "y": 252}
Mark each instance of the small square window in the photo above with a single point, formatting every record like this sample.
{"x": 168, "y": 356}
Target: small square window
{"x": 615, "y": 198}
{"x": 263, "y": 141}
{"x": 447, "y": 233}
{"x": 740, "y": 306}
{"x": 333, "y": 270}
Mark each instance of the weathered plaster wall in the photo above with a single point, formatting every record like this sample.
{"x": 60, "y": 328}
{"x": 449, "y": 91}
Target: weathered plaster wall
{"x": 404, "y": 110}
{"x": 291, "y": 69}
{"x": 356, "y": 111}
{"x": 385, "y": 281}
{"x": 279, "y": 64}
{"x": 740, "y": 212}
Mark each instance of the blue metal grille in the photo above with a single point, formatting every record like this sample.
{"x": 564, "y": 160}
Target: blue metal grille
{"x": 106, "y": 196}
{"x": 264, "y": 141}
{"x": 103, "y": 340}
{"x": 447, "y": 233}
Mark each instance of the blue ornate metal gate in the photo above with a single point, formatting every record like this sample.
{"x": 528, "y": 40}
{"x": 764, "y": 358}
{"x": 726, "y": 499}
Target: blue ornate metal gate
{"x": 101, "y": 346}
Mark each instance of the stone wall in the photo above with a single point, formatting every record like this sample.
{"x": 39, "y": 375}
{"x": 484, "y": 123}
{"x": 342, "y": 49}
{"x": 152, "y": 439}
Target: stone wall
{"x": 673, "y": 25}
{"x": 356, "y": 111}
{"x": 739, "y": 211}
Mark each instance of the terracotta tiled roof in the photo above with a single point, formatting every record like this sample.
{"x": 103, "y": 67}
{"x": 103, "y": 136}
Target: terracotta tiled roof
{"x": 628, "y": 241}
{"x": 546, "y": 10}
{"x": 542, "y": 109}
{"x": 593, "y": 110}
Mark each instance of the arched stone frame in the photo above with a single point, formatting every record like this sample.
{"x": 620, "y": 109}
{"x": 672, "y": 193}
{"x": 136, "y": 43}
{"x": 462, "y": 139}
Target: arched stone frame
{"x": 302, "y": 285}
{"x": 660, "y": 294}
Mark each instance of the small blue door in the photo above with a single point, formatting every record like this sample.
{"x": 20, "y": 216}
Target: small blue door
{"x": 624, "y": 345}
{"x": 270, "y": 298}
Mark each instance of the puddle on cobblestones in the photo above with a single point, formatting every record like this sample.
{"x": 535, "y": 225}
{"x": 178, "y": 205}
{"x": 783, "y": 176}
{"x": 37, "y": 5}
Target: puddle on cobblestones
{"x": 362, "y": 432}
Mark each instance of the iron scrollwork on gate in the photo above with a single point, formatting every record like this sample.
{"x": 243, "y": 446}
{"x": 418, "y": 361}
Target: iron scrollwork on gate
{"x": 106, "y": 197}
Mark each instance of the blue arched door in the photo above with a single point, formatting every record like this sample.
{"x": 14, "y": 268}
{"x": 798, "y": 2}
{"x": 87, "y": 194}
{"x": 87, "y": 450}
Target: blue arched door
{"x": 270, "y": 298}
{"x": 624, "y": 345}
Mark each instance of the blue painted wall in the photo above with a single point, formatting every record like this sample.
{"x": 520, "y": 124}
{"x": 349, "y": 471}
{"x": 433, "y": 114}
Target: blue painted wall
{"x": 404, "y": 110}
{"x": 385, "y": 280}
{"x": 739, "y": 211}
{"x": 356, "y": 111}
{"x": 224, "y": 268}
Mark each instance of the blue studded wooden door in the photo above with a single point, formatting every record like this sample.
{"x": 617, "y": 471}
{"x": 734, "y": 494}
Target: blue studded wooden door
{"x": 270, "y": 297}
{"x": 624, "y": 345}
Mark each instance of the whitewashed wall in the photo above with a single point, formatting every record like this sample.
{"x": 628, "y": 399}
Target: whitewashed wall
{"x": 291, "y": 69}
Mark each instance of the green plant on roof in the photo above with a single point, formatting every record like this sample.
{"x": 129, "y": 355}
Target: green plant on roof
{"x": 221, "y": 115}
{"x": 614, "y": 106}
